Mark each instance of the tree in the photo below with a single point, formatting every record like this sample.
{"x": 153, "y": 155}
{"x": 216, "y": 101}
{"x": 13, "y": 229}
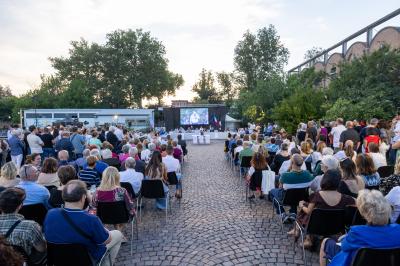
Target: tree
{"x": 205, "y": 88}
{"x": 7, "y": 102}
{"x": 130, "y": 67}
{"x": 5, "y": 91}
{"x": 312, "y": 53}
{"x": 229, "y": 89}
{"x": 258, "y": 56}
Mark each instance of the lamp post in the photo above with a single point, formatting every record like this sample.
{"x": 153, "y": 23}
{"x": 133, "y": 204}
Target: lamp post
{"x": 34, "y": 99}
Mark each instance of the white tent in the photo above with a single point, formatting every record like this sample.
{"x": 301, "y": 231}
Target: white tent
{"x": 231, "y": 123}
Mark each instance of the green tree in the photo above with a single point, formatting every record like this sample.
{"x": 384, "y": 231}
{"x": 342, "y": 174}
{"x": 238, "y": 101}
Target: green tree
{"x": 370, "y": 85}
{"x": 258, "y": 56}
{"x": 205, "y": 88}
{"x": 228, "y": 87}
{"x": 314, "y": 52}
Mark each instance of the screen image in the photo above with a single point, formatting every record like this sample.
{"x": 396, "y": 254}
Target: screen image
{"x": 194, "y": 116}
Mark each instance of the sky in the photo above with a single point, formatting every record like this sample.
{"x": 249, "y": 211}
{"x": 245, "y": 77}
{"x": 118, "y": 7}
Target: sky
{"x": 196, "y": 33}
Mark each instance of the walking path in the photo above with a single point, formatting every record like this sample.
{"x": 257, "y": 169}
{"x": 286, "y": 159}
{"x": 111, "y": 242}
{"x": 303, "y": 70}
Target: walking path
{"x": 213, "y": 225}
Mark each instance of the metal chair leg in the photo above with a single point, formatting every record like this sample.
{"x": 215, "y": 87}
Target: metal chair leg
{"x": 132, "y": 234}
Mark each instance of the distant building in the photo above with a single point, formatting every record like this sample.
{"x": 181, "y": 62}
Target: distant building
{"x": 131, "y": 118}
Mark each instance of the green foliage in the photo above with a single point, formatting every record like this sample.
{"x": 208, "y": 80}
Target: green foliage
{"x": 228, "y": 87}
{"x": 205, "y": 88}
{"x": 258, "y": 56}
{"x": 370, "y": 86}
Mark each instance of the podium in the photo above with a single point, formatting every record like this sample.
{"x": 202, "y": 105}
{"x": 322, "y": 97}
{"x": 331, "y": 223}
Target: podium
{"x": 201, "y": 139}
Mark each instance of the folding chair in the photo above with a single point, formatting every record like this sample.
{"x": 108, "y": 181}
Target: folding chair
{"x": 323, "y": 222}
{"x": 173, "y": 182}
{"x": 292, "y": 197}
{"x": 153, "y": 189}
{"x": 353, "y": 217}
{"x": 129, "y": 189}
{"x": 376, "y": 257}
{"x": 35, "y": 212}
{"x": 116, "y": 213}
{"x": 385, "y": 171}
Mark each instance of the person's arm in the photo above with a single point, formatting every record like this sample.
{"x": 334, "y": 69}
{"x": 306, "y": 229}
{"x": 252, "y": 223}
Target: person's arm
{"x": 40, "y": 141}
{"x": 308, "y": 209}
{"x": 396, "y": 145}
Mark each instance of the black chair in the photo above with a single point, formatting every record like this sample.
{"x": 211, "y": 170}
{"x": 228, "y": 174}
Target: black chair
{"x": 292, "y": 197}
{"x": 353, "y": 217}
{"x": 35, "y": 212}
{"x": 115, "y": 213}
{"x": 385, "y": 171}
{"x": 372, "y": 187}
{"x": 323, "y": 222}
{"x": 376, "y": 257}
{"x": 152, "y": 189}
{"x": 67, "y": 254}
{"x": 129, "y": 189}
{"x": 172, "y": 178}
{"x": 20, "y": 250}
{"x": 49, "y": 188}
{"x": 398, "y": 220}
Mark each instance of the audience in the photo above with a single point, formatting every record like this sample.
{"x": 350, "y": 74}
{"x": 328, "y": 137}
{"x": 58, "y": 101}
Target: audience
{"x": 59, "y": 225}
{"x": 366, "y": 169}
{"x": 8, "y": 175}
{"x": 89, "y": 175}
{"x": 254, "y": 175}
{"x": 131, "y": 176}
{"x": 351, "y": 183}
{"x": 65, "y": 174}
{"x": 377, "y": 157}
{"x": 328, "y": 162}
{"x": 156, "y": 170}
{"x": 48, "y": 176}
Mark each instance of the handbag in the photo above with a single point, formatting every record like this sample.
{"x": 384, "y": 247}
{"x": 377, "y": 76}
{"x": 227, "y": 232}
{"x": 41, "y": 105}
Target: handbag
{"x": 268, "y": 180}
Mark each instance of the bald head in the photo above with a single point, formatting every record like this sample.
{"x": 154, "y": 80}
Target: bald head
{"x": 73, "y": 191}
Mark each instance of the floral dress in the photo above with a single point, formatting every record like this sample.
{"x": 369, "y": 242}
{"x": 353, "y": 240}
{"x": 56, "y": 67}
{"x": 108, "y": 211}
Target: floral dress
{"x": 117, "y": 194}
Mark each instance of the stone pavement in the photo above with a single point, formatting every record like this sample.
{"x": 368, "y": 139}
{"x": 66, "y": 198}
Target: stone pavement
{"x": 213, "y": 225}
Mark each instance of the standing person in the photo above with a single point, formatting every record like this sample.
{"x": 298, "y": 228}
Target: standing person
{"x": 60, "y": 230}
{"x": 78, "y": 142}
{"x": 311, "y": 131}
{"x": 17, "y": 147}
{"x": 112, "y": 138}
{"x": 336, "y": 132}
{"x": 48, "y": 140}
{"x": 323, "y": 132}
{"x": 35, "y": 143}
{"x": 301, "y": 134}
{"x": 65, "y": 144}
{"x": 349, "y": 134}
{"x": 372, "y": 137}
{"x": 4, "y": 148}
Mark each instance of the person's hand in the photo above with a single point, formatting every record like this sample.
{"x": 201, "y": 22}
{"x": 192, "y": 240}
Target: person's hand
{"x": 301, "y": 203}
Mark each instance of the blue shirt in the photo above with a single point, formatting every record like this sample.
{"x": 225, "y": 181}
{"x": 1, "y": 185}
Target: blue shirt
{"x": 16, "y": 146}
{"x": 367, "y": 236}
{"x": 57, "y": 230}
{"x": 35, "y": 193}
{"x": 78, "y": 141}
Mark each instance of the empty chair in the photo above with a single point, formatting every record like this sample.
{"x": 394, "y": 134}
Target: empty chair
{"x": 376, "y": 257}
{"x": 35, "y": 212}
{"x": 115, "y": 213}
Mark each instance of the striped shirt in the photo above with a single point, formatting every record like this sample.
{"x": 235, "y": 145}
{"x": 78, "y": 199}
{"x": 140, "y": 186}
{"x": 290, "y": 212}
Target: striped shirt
{"x": 89, "y": 176}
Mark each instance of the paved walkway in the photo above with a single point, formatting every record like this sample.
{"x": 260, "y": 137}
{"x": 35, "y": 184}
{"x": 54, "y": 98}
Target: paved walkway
{"x": 213, "y": 225}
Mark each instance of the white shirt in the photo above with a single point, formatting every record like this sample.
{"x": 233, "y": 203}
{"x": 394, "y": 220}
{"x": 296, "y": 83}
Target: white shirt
{"x": 393, "y": 198}
{"x": 238, "y": 149}
{"x": 132, "y": 177}
{"x": 378, "y": 158}
{"x": 35, "y": 143}
{"x": 171, "y": 164}
{"x": 285, "y": 167}
{"x": 336, "y": 132}
{"x": 145, "y": 154}
{"x": 118, "y": 132}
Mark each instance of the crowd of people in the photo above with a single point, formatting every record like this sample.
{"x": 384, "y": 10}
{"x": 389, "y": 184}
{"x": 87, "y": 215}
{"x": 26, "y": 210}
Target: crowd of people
{"x": 69, "y": 171}
{"x": 338, "y": 164}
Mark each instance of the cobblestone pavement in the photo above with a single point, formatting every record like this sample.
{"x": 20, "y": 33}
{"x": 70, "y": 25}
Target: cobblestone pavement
{"x": 213, "y": 225}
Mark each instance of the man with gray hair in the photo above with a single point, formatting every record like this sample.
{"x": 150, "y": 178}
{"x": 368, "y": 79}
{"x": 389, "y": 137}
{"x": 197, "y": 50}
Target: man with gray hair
{"x": 61, "y": 226}
{"x": 328, "y": 162}
{"x": 140, "y": 165}
{"x": 296, "y": 178}
{"x": 131, "y": 176}
{"x": 35, "y": 193}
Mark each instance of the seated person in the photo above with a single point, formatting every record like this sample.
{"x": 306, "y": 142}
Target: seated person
{"x": 60, "y": 230}
{"x": 328, "y": 162}
{"x": 110, "y": 190}
{"x": 65, "y": 173}
{"x": 366, "y": 169}
{"x": 27, "y": 234}
{"x": 391, "y": 181}
{"x": 89, "y": 175}
{"x": 378, "y": 158}
{"x": 108, "y": 159}
{"x": 8, "y": 175}
{"x": 35, "y": 193}
{"x": 326, "y": 198}
{"x": 183, "y": 144}
{"x": 296, "y": 178}
{"x": 131, "y": 176}
{"x": 376, "y": 234}
{"x": 81, "y": 162}
{"x": 351, "y": 182}
{"x": 177, "y": 151}
{"x": 393, "y": 197}
{"x": 100, "y": 165}
{"x": 254, "y": 175}
{"x": 172, "y": 165}
{"x": 48, "y": 176}
{"x": 286, "y": 164}
{"x": 63, "y": 159}
{"x": 237, "y": 150}
{"x": 280, "y": 157}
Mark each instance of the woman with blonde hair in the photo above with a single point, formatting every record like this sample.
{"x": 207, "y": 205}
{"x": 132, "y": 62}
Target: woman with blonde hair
{"x": 110, "y": 190}
{"x": 8, "y": 176}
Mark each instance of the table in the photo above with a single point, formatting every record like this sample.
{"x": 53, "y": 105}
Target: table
{"x": 201, "y": 139}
